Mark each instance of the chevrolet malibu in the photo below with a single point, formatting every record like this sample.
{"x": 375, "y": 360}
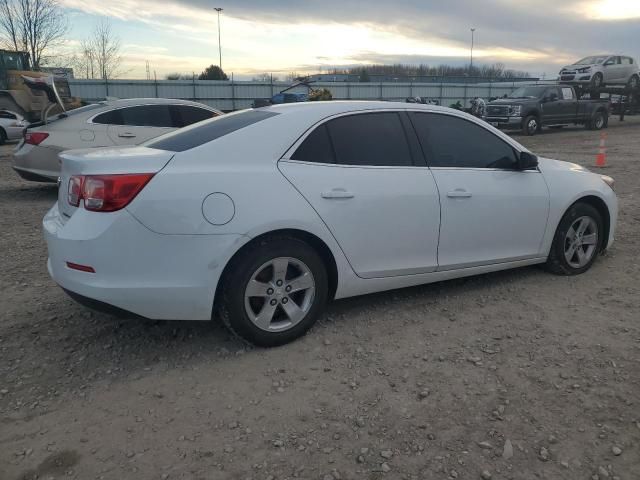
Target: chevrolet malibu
{"x": 261, "y": 216}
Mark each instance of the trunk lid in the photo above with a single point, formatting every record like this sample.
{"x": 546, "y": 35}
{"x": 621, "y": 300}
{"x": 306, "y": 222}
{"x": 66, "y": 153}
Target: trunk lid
{"x": 106, "y": 161}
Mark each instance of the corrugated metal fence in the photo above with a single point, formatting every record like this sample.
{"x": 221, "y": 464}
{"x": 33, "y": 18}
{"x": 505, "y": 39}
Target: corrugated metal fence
{"x": 229, "y": 95}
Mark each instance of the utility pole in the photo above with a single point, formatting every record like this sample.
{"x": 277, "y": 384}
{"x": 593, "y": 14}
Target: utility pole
{"x": 218, "y": 9}
{"x": 473, "y": 31}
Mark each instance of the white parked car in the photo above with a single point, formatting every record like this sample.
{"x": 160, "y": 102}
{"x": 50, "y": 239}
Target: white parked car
{"x": 263, "y": 215}
{"x": 601, "y": 70}
{"x": 12, "y": 125}
{"x": 116, "y": 122}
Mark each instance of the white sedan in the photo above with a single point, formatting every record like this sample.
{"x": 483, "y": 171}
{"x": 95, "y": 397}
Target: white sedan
{"x": 261, "y": 216}
{"x": 11, "y": 126}
{"x": 130, "y": 121}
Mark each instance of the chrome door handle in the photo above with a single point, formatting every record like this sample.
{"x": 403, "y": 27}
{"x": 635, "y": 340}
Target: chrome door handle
{"x": 337, "y": 193}
{"x": 126, "y": 135}
{"x": 459, "y": 193}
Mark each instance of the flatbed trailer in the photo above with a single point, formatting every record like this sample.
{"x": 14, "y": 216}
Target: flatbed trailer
{"x": 629, "y": 97}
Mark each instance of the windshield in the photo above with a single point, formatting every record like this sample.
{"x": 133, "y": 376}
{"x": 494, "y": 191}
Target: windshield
{"x": 591, "y": 61}
{"x": 527, "y": 92}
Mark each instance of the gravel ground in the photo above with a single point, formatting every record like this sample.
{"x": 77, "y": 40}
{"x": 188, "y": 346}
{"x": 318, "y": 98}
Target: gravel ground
{"x": 513, "y": 375}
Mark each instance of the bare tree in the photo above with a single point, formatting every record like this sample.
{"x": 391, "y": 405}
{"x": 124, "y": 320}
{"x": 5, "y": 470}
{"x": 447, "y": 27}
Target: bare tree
{"x": 34, "y": 26}
{"x": 104, "y": 48}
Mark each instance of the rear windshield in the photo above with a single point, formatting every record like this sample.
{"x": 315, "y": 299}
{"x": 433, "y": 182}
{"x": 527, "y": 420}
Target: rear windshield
{"x": 208, "y": 130}
{"x": 76, "y": 111}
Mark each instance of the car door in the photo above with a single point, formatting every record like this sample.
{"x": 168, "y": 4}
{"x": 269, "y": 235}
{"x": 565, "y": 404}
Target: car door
{"x": 491, "y": 212}
{"x": 139, "y": 123}
{"x": 612, "y": 70}
{"x": 365, "y": 176}
{"x": 627, "y": 69}
{"x": 552, "y": 106}
{"x": 568, "y": 105}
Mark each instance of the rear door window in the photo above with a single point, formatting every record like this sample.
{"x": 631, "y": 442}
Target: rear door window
{"x": 112, "y": 117}
{"x": 371, "y": 139}
{"x": 185, "y": 115}
{"x": 147, "y": 116}
{"x": 316, "y": 147}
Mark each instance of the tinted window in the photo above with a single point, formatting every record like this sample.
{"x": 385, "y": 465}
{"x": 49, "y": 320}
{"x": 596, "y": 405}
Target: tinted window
{"x": 376, "y": 139}
{"x": 184, "y": 115}
{"x": 207, "y": 131}
{"x": 626, "y": 61}
{"x": 316, "y": 147}
{"x": 8, "y": 115}
{"x": 553, "y": 91}
{"x": 449, "y": 141}
{"x": 112, "y": 117}
{"x": 147, "y": 116}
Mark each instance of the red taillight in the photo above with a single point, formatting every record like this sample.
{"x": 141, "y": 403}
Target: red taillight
{"x": 81, "y": 268}
{"x": 106, "y": 193}
{"x": 35, "y": 138}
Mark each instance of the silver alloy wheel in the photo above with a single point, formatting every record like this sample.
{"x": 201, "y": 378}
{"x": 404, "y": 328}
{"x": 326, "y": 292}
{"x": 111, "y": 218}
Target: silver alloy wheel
{"x": 634, "y": 81}
{"x": 581, "y": 242}
{"x": 532, "y": 126}
{"x": 279, "y": 294}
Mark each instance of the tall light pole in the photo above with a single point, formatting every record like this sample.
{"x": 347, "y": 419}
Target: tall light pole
{"x": 473, "y": 31}
{"x": 218, "y": 9}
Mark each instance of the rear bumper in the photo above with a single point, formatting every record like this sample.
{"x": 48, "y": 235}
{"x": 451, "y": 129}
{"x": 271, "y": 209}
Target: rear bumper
{"x": 37, "y": 161}
{"x": 163, "y": 277}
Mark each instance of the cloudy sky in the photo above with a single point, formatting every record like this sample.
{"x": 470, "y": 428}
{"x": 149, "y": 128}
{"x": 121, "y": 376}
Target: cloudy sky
{"x": 283, "y": 36}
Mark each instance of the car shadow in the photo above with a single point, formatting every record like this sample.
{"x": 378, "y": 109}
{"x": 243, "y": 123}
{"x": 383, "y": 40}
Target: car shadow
{"x": 83, "y": 347}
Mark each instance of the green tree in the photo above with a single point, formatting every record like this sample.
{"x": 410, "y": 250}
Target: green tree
{"x": 364, "y": 76}
{"x": 213, "y": 72}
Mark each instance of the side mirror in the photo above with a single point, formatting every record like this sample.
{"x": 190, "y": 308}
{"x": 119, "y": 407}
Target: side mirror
{"x": 527, "y": 161}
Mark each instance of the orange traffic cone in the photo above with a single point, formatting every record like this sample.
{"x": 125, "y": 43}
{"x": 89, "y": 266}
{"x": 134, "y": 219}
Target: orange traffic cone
{"x": 601, "y": 158}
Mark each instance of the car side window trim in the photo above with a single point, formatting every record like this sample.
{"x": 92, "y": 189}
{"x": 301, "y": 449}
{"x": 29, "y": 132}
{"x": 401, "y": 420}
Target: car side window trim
{"x": 417, "y": 158}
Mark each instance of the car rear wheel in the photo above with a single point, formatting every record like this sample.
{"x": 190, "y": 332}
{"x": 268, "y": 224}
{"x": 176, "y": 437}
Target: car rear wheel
{"x": 3, "y": 136}
{"x": 577, "y": 241}
{"x": 531, "y": 125}
{"x": 275, "y": 292}
{"x": 597, "y": 80}
{"x": 598, "y": 122}
{"x": 634, "y": 82}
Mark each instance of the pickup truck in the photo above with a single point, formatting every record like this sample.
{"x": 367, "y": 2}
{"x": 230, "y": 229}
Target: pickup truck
{"x": 529, "y": 108}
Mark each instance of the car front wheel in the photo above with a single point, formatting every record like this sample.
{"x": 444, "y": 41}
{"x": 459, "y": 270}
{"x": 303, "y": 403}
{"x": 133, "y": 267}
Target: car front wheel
{"x": 577, "y": 241}
{"x": 274, "y": 292}
{"x": 597, "y": 80}
{"x": 531, "y": 125}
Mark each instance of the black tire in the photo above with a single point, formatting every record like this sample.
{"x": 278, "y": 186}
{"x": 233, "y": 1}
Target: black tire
{"x": 557, "y": 262}
{"x": 597, "y": 81}
{"x": 231, "y": 307}
{"x": 634, "y": 82}
{"x": 3, "y": 136}
{"x": 598, "y": 121}
{"x": 531, "y": 125}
